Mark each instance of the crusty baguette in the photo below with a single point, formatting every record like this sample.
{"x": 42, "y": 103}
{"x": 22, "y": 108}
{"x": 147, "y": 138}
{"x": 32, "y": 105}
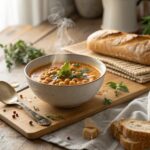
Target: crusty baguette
{"x": 130, "y": 47}
{"x": 126, "y": 142}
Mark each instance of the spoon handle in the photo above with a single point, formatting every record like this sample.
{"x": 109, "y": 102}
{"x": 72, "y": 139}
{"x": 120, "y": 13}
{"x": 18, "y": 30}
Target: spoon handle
{"x": 36, "y": 117}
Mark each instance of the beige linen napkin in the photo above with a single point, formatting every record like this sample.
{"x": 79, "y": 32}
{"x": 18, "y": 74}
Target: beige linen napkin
{"x": 136, "y": 72}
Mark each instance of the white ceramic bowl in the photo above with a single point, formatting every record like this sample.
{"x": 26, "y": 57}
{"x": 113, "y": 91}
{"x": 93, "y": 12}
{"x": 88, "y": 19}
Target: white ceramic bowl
{"x": 65, "y": 96}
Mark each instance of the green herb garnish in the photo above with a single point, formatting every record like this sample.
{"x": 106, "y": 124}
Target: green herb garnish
{"x": 20, "y": 53}
{"x": 65, "y": 70}
{"x": 118, "y": 87}
{"x": 146, "y": 25}
{"x": 107, "y": 101}
{"x": 76, "y": 65}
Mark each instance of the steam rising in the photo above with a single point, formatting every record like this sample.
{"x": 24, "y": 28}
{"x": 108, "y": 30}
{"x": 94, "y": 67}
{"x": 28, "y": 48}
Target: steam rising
{"x": 63, "y": 38}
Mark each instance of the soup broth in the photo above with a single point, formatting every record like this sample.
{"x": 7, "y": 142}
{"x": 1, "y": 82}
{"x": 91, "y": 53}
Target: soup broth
{"x": 65, "y": 74}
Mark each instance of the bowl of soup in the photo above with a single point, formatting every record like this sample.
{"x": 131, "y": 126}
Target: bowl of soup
{"x": 66, "y": 83}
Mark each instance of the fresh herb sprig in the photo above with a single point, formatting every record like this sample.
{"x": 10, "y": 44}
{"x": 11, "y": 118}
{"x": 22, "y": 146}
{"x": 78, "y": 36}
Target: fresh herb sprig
{"x": 118, "y": 87}
{"x": 146, "y": 25}
{"x": 65, "y": 70}
{"x": 107, "y": 101}
{"x": 20, "y": 53}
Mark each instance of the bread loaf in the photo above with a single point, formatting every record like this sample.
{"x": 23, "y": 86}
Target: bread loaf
{"x": 129, "y": 143}
{"x": 136, "y": 129}
{"x": 130, "y": 47}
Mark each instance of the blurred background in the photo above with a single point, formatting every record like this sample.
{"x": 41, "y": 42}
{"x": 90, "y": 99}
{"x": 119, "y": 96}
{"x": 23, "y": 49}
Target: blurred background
{"x": 116, "y": 14}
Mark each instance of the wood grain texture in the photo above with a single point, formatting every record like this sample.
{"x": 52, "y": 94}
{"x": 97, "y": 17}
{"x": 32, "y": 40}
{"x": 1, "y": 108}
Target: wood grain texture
{"x": 82, "y": 29}
{"x": 9, "y": 136}
{"x": 12, "y": 140}
{"x": 38, "y": 32}
{"x": 9, "y": 34}
{"x": 70, "y": 116}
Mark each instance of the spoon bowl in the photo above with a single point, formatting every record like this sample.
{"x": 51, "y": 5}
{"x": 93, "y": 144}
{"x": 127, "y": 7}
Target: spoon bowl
{"x": 8, "y": 96}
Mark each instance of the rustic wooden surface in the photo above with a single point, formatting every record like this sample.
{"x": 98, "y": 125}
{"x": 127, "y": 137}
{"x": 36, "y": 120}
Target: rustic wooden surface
{"x": 70, "y": 116}
{"x": 41, "y": 36}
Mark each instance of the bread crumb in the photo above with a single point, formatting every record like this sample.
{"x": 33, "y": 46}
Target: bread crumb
{"x": 90, "y": 133}
{"x": 90, "y": 130}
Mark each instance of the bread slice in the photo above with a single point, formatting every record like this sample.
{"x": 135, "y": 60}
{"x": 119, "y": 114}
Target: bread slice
{"x": 126, "y": 142}
{"x": 115, "y": 130}
{"x": 135, "y": 129}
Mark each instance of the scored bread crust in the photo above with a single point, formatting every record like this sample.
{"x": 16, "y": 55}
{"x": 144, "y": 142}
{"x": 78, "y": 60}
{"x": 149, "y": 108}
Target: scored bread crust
{"x": 126, "y": 142}
{"x": 131, "y": 47}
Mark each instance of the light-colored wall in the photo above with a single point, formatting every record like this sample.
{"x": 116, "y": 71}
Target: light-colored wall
{"x": 67, "y": 5}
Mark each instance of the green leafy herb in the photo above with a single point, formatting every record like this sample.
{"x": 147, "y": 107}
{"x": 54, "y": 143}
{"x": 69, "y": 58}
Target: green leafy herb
{"x": 65, "y": 70}
{"x": 76, "y": 65}
{"x": 146, "y": 25}
{"x": 107, "y": 101}
{"x": 118, "y": 87}
{"x": 80, "y": 75}
{"x": 20, "y": 53}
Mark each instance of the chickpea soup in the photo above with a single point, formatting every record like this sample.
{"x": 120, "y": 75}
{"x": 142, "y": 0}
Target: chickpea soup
{"x": 65, "y": 74}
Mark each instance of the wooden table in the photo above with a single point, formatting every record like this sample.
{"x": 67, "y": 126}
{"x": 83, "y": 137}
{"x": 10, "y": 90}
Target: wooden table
{"x": 42, "y": 36}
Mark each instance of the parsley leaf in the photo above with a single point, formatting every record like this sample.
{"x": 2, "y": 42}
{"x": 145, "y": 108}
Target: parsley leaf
{"x": 112, "y": 85}
{"x": 107, "y": 101}
{"x": 118, "y": 87}
{"x": 20, "y": 53}
{"x": 146, "y": 25}
{"x": 76, "y": 65}
{"x": 65, "y": 70}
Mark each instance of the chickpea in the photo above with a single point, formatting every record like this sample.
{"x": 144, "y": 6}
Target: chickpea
{"x": 54, "y": 67}
{"x": 78, "y": 82}
{"x": 58, "y": 80}
{"x": 56, "y": 84}
{"x": 61, "y": 83}
{"x": 48, "y": 79}
{"x": 49, "y": 72}
{"x": 51, "y": 76}
{"x": 84, "y": 81}
{"x": 72, "y": 83}
{"x": 91, "y": 79}
{"x": 42, "y": 77}
{"x": 92, "y": 76}
{"x": 85, "y": 74}
{"x": 67, "y": 81}
{"x": 53, "y": 71}
{"x": 75, "y": 79}
{"x": 44, "y": 81}
{"x": 77, "y": 72}
{"x": 52, "y": 82}
{"x": 72, "y": 67}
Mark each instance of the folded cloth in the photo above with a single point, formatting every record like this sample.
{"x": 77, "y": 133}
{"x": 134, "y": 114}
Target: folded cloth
{"x": 136, "y": 72}
{"x": 137, "y": 109}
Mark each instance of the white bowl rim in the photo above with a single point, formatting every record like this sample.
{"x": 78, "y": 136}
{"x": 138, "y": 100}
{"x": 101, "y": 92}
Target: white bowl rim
{"x": 95, "y": 59}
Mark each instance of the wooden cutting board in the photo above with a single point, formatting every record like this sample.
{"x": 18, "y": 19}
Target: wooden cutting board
{"x": 66, "y": 117}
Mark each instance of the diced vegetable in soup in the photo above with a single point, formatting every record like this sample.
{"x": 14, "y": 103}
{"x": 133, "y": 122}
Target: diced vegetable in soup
{"x": 65, "y": 74}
